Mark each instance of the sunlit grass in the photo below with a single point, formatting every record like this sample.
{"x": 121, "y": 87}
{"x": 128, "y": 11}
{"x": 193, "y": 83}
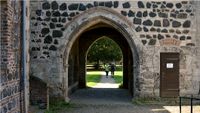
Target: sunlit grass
{"x": 118, "y": 77}
{"x": 92, "y": 78}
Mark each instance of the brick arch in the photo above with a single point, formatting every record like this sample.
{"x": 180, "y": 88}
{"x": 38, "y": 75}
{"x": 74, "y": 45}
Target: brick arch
{"x": 90, "y": 18}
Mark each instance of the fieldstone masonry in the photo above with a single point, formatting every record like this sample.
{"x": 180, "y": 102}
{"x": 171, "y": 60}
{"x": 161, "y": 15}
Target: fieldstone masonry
{"x": 158, "y": 26}
{"x": 159, "y": 19}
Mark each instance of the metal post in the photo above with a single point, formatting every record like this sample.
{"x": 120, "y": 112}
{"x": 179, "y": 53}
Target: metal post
{"x": 180, "y": 103}
{"x": 191, "y": 104}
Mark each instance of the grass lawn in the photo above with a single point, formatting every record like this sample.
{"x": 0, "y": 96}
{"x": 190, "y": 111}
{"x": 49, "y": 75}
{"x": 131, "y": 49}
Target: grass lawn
{"x": 93, "y": 77}
{"x": 118, "y": 77}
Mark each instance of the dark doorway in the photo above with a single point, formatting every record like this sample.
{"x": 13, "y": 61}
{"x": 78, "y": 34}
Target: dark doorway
{"x": 169, "y": 74}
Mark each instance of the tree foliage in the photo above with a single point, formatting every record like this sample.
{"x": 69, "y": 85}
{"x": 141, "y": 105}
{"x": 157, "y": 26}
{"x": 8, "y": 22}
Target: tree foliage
{"x": 104, "y": 50}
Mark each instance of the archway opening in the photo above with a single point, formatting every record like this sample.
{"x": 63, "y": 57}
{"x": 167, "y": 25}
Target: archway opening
{"x": 78, "y": 55}
{"x": 104, "y": 64}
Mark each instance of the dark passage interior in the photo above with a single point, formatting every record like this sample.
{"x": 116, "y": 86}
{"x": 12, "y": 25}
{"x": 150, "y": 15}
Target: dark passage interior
{"x": 77, "y": 57}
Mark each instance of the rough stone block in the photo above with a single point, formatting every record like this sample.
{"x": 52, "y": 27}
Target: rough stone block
{"x": 126, "y": 5}
{"x": 54, "y": 5}
{"x": 57, "y": 34}
{"x": 140, "y": 4}
{"x": 73, "y": 6}
{"x": 137, "y": 21}
{"x": 46, "y": 6}
{"x": 82, "y": 7}
{"x": 176, "y": 24}
{"x": 63, "y": 6}
{"x": 148, "y": 22}
{"x": 186, "y": 24}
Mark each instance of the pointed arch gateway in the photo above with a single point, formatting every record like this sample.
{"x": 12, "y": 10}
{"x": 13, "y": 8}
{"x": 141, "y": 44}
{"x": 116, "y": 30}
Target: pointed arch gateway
{"x": 76, "y": 46}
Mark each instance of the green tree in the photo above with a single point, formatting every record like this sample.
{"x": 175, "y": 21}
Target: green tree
{"x": 104, "y": 50}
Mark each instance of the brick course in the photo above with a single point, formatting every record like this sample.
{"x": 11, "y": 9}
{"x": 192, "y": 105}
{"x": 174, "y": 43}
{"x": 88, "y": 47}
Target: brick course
{"x": 10, "y": 93}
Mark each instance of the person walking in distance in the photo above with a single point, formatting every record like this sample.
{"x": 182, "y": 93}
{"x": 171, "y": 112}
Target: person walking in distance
{"x": 112, "y": 69}
{"x": 106, "y": 68}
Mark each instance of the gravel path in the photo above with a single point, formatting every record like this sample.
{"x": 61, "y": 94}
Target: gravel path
{"x": 106, "y": 82}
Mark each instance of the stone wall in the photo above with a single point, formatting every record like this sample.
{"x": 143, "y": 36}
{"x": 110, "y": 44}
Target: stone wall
{"x": 156, "y": 23}
{"x": 11, "y": 89}
{"x": 160, "y": 26}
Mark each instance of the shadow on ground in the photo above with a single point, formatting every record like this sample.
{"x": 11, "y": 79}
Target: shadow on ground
{"x": 108, "y": 100}
{"x": 112, "y": 100}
